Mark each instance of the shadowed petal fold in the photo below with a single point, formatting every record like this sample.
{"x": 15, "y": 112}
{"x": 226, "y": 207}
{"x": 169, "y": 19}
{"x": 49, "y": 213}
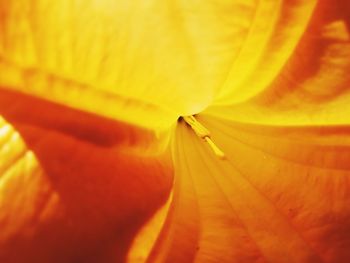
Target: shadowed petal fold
{"x": 84, "y": 188}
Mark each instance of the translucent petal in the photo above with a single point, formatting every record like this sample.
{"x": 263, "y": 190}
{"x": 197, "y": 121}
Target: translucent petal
{"x": 281, "y": 195}
{"x": 84, "y": 188}
{"x": 143, "y": 62}
{"x": 274, "y": 33}
{"x": 313, "y": 86}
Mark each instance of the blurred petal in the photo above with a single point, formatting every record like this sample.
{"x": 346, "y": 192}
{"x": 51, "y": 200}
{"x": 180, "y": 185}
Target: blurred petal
{"x": 134, "y": 61}
{"x": 83, "y": 190}
{"x": 148, "y": 234}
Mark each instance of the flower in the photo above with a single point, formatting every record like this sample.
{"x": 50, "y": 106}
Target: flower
{"x": 96, "y": 166}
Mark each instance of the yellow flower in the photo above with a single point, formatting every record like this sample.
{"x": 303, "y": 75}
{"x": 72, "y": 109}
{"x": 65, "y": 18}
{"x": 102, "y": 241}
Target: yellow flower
{"x": 103, "y": 160}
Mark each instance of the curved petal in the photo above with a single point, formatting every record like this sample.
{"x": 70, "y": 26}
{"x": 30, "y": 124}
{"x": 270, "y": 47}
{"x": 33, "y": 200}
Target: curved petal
{"x": 202, "y": 227}
{"x": 303, "y": 172}
{"x": 275, "y": 32}
{"x": 84, "y": 188}
{"x": 281, "y": 195}
{"x": 221, "y": 210}
{"x": 313, "y": 86}
{"x": 138, "y": 60}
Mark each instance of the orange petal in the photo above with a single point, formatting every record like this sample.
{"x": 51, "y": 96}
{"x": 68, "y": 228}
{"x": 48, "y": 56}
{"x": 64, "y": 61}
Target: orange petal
{"x": 83, "y": 190}
{"x": 281, "y": 195}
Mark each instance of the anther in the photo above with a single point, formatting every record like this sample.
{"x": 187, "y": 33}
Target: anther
{"x": 204, "y": 134}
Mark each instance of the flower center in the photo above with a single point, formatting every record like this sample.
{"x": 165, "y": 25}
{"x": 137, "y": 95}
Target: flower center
{"x": 204, "y": 134}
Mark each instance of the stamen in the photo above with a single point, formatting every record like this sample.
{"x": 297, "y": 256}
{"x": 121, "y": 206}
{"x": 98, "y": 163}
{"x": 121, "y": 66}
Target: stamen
{"x": 203, "y": 133}
{"x": 218, "y": 152}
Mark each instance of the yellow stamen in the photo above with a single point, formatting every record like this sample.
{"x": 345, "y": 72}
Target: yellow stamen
{"x": 203, "y": 133}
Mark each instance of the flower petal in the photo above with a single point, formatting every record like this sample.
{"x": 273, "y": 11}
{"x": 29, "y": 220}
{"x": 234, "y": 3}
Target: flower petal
{"x": 85, "y": 188}
{"x": 281, "y": 195}
{"x": 165, "y": 58}
{"x": 312, "y": 88}
{"x": 275, "y": 32}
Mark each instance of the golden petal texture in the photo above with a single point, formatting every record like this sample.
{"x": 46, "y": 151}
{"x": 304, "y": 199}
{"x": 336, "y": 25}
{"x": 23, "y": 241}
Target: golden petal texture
{"x": 96, "y": 167}
{"x": 281, "y": 195}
